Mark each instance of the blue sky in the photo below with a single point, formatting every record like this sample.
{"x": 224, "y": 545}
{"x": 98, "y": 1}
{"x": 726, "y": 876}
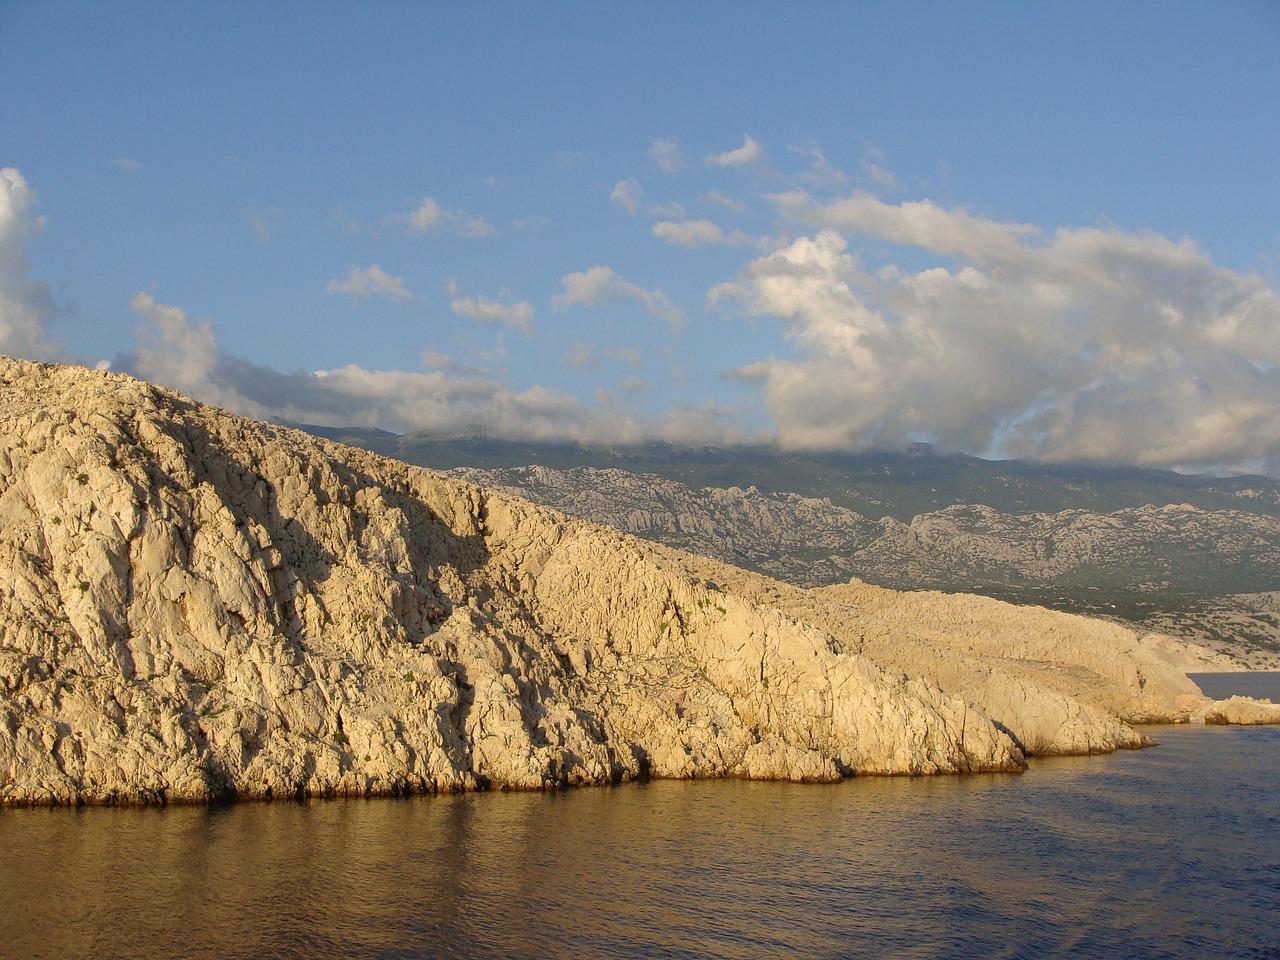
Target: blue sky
{"x": 1043, "y": 230}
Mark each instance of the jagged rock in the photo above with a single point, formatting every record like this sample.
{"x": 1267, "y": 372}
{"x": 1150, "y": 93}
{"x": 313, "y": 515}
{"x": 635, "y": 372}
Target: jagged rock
{"x": 812, "y": 542}
{"x": 194, "y": 605}
{"x": 1239, "y": 710}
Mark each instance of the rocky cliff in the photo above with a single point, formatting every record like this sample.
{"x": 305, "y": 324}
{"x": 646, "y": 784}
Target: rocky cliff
{"x": 1186, "y": 570}
{"x": 194, "y": 605}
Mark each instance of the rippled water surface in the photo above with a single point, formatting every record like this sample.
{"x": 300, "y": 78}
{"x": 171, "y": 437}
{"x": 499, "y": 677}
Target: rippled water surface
{"x": 1168, "y": 852}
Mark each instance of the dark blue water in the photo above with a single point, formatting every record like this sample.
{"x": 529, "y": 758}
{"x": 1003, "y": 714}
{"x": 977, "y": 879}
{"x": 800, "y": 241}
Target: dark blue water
{"x": 1172, "y": 851}
{"x": 1263, "y": 684}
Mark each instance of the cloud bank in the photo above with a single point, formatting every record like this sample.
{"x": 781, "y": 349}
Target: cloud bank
{"x": 177, "y": 352}
{"x": 1087, "y": 344}
{"x": 26, "y": 305}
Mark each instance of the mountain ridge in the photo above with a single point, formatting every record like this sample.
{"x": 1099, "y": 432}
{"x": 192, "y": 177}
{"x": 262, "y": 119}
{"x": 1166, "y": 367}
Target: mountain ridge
{"x": 197, "y": 606}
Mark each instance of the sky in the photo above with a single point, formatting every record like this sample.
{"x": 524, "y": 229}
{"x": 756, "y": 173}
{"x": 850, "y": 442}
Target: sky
{"x": 1040, "y": 230}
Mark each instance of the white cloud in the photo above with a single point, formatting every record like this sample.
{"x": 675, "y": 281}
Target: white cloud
{"x": 600, "y": 285}
{"x": 125, "y": 163}
{"x": 666, "y": 154}
{"x": 749, "y": 152}
{"x": 179, "y": 353}
{"x": 629, "y": 195}
{"x": 718, "y": 199}
{"x": 26, "y": 305}
{"x": 882, "y": 177}
{"x": 1087, "y": 344}
{"x": 264, "y": 223}
{"x": 820, "y": 171}
{"x": 628, "y": 355}
{"x": 580, "y": 356}
{"x": 518, "y": 315}
{"x": 430, "y": 217}
{"x": 917, "y": 223}
{"x": 566, "y": 159}
{"x": 371, "y": 281}
{"x": 698, "y": 233}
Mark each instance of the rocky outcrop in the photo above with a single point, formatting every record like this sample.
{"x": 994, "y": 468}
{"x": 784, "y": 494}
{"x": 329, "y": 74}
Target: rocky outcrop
{"x": 1157, "y": 556}
{"x": 1242, "y": 711}
{"x": 194, "y": 605}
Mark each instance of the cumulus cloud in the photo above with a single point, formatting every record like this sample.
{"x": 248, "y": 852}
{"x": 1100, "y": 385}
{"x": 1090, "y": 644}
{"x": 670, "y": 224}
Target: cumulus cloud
{"x": 430, "y": 217}
{"x": 749, "y": 152}
{"x": 264, "y": 222}
{"x": 600, "y": 285}
{"x": 1086, "y": 344}
{"x": 629, "y": 195}
{"x": 371, "y": 281}
{"x": 820, "y": 171}
{"x": 718, "y": 199}
{"x": 698, "y": 233}
{"x": 26, "y": 305}
{"x": 628, "y": 355}
{"x": 518, "y": 315}
{"x": 666, "y": 154}
{"x": 184, "y": 354}
{"x": 580, "y": 356}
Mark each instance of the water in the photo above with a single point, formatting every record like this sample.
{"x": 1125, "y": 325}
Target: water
{"x": 1263, "y": 684}
{"x": 1168, "y": 852}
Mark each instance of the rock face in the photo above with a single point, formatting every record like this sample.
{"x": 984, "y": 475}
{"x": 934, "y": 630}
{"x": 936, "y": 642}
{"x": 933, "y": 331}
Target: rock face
{"x": 1158, "y": 556}
{"x": 195, "y": 606}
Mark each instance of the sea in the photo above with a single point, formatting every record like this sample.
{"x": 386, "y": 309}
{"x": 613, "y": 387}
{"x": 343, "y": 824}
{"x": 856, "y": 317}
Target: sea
{"x": 1167, "y": 852}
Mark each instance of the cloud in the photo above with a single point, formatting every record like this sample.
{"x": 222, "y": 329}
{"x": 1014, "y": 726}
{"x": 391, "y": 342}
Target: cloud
{"x": 916, "y": 223}
{"x": 882, "y": 177}
{"x": 718, "y": 199}
{"x": 430, "y": 217}
{"x": 628, "y": 194}
{"x": 820, "y": 171}
{"x": 579, "y": 357}
{"x": 1086, "y": 344}
{"x": 26, "y": 305}
{"x": 518, "y": 315}
{"x": 699, "y": 233}
{"x": 264, "y": 223}
{"x": 600, "y": 285}
{"x": 566, "y": 159}
{"x": 371, "y": 281}
{"x": 183, "y": 354}
{"x": 666, "y": 154}
{"x": 749, "y": 152}
{"x": 126, "y": 164}
{"x": 628, "y": 355}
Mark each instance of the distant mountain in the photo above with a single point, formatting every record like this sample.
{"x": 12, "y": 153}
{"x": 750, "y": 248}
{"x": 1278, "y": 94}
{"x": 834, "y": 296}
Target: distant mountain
{"x": 875, "y": 484}
{"x": 1191, "y": 555}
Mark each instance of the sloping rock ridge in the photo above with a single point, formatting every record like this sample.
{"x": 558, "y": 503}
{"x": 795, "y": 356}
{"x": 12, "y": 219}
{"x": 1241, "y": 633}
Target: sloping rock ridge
{"x": 1188, "y": 568}
{"x": 197, "y": 606}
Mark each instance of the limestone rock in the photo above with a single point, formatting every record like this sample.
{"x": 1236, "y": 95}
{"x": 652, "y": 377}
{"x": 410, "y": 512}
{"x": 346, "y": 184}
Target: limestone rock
{"x": 194, "y": 605}
{"x": 1239, "y": 710}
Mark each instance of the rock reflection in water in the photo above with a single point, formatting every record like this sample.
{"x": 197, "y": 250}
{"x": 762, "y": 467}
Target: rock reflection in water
{"x": 1170, "y": 852}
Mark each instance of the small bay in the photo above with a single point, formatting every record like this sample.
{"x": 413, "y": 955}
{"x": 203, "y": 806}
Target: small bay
{"x": 1173, "y": 851}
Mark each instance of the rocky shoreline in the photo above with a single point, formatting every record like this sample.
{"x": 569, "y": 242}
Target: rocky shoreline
{"x": 197, "y": 607}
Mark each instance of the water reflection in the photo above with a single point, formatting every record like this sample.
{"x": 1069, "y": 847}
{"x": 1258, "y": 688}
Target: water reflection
{"x": 1166, "y": 852}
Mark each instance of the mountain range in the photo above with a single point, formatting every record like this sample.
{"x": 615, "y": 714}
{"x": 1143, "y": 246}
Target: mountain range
{"x": 1194, "y": 556}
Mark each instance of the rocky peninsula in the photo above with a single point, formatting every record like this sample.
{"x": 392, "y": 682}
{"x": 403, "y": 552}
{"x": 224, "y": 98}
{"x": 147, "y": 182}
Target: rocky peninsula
{"x": 195, "y": 606}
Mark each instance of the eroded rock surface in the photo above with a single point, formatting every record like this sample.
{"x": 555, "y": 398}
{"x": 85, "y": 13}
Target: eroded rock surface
{"x": 194, "y": 605}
